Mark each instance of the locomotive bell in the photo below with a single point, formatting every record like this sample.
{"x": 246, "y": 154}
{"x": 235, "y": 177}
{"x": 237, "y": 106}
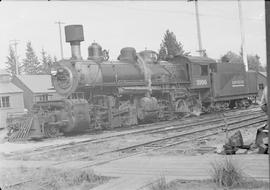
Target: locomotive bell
{"x": 74, "y": 35}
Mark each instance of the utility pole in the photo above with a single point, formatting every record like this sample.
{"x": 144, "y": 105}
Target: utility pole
{"x": 267, "y": 27}
{"x": 15, "y": 43}
{"x": 60, "y": 34}
{"x": 243, "y": 48}
{"x": 201, "y": 50}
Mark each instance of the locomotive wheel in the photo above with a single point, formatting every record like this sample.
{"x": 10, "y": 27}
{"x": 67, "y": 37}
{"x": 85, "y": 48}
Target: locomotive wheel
{"x": 182, "y": 106}
{"x": 51, "y": 131}
{"x": 195, "y": 107}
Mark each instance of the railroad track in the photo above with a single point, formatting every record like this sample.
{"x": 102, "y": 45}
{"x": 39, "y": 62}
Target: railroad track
{"x": 163, "y": 142}
{"x": 152, "y": 128}
{"x": 231, "y": 122}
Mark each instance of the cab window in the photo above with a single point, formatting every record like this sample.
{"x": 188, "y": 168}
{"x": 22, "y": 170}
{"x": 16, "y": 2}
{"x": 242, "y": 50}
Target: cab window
{"x": 204, "y": 70}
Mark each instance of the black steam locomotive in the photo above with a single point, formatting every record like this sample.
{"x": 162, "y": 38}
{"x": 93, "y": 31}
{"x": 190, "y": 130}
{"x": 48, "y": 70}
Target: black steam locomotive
{"x": 139, "y": 87}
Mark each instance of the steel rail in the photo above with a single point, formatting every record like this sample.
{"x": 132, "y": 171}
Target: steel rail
{"x": 155, "y": 129}
{"x": 181, "y": 134}
{"x": 260, "y": 119}
{"x": 172, "y": 144}
{"x": 191, "y": 124}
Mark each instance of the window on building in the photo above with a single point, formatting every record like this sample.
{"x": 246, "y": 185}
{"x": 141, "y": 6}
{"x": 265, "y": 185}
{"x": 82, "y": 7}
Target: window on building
{"x": 4, "y": 102}
{"x": 261, "y": 86}
{"x": 43, "y": 98}
{"x": 204, "y": 70}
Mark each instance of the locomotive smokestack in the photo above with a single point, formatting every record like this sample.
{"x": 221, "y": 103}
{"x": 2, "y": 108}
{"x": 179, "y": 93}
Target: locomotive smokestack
{"x": 74, "y": 35}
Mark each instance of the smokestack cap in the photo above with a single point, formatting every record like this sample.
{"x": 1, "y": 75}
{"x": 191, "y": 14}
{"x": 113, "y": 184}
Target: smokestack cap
{"x": 74, "y": 33}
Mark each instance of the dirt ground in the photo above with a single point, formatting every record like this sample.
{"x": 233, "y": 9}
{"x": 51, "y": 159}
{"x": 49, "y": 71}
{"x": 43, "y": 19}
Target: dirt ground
{"x": 205, "y": 185}
{"x": 49, "y": 178}
{"x": 209, "y": 145}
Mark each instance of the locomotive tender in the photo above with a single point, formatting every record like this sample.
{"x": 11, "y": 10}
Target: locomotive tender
{"x": 139, "y": 87}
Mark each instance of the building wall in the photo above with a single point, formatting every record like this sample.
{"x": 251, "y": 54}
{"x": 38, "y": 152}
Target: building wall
{"x": 28, "y": 96}
{"x": 16, "y": 106}
{"x": 261, "y": 83}
{"x": 50, "y": 95}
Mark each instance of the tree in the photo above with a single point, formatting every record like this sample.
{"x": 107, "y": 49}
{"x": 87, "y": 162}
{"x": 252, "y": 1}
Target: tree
{"x": 31, "y": 63}
{"x": 231, "y": 57}
{"x": 54, "y": 59}
{"x": 253, "y": 60}
{"x": 11, "y": 62}
{"x": 170, "y": 46}
{"x": 46, "y": 61}
{"x": 254, "y": 63}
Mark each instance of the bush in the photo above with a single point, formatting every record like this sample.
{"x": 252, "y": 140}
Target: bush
{"x": 226, "y": 173}
{"x": 160, "y": 184}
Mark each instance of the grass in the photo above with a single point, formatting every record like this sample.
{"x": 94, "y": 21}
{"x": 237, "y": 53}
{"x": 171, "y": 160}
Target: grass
{"x": 227, "y": 173}
{"x": 160, "y": 184}
{"x": 56, "y": 179}
{"x": 178, "y": 184}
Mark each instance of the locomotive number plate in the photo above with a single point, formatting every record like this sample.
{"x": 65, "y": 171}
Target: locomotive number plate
{"x": 238, "y": 83}
{"x": 201, "y": 82}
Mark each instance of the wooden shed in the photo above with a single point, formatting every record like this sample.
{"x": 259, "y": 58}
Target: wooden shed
{"x": 35, "y": 88}
{"x": 11, "y": 98}
{"x": 261, "y": 83}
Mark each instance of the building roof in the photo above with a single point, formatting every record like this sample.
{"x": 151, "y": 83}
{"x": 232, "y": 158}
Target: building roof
{"x": 199, "y": 59}
{"x": 37, "y": 83}
{"x": 3, "y": 72}
{"x": 263, "y": 73}
{"x": 8, "y": 88}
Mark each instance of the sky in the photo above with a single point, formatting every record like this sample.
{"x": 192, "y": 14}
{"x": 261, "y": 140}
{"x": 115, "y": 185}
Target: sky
{"x": 138, "y": 24}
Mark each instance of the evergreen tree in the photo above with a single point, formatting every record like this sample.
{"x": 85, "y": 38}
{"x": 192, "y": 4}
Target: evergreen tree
{"x": 170, "y": 46}
{"x": 253, "y": 60}
{"x": 11, "y": 62}
{"x": 54, "y": 59}
{"x": 231, "y": 57}
{"x": 31, "y": 63}
{"x": 254, "y": 63}
{"x": 46, "y": 61}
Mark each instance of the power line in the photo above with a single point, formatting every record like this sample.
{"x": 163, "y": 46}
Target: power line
{"x": 185, "y": 12}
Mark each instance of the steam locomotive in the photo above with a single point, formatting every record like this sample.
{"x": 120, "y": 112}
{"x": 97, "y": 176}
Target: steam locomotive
{"x": 139, "y": 87}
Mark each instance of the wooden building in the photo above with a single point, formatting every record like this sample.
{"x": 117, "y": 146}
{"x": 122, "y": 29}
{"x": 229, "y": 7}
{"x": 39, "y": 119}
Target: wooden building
{"x": 35, "y": 88}
{"x": 11, "y": 98}
{"x": 261, "y": 83}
